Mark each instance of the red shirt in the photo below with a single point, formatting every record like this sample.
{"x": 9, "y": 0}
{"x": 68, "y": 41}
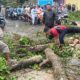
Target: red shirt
{"x": 54, "y": 30}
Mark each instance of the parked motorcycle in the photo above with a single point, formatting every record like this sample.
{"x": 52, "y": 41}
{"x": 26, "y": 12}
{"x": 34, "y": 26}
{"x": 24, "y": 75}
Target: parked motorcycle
{"x": 2, "y": 22}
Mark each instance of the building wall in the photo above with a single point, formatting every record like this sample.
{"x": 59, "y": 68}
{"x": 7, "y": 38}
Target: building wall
{"x": 76, "y": 2}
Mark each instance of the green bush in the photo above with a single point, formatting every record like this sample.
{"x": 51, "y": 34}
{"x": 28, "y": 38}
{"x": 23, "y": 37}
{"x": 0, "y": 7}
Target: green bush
{"x": 24, "y": 41}
{"x": 13, "y": 4}
{"x": 74, "y": 16}
{"x": 4, "y": 71}
{"x": 63, "y": 53}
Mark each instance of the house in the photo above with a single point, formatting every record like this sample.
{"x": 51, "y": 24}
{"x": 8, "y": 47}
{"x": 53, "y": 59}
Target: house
{"x": 75, "y": 2}
{"x": 71, "y": 2}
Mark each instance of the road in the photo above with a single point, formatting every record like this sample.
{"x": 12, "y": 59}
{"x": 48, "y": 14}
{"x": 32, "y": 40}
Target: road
{"x": 22, "y": 28}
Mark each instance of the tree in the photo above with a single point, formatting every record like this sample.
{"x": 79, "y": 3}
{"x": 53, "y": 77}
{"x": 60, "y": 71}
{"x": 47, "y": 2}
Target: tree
{"x": 4, "y": 2}
{"x": 21, "y": 1}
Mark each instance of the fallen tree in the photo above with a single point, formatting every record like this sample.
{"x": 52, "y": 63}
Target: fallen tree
{"x": 35, "y": 48}
{"x": 38, "y": 47}
{"x": 58, "y": 71}
{"x": 26, "y": 63}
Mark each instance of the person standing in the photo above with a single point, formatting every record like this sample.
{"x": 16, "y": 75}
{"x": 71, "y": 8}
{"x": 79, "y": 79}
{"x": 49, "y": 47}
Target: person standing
{"x": 26, "y": 13}
{"x": 3, "y": 46}
{"x": 48, "y": 18}
{"x": 33, "y": 15}
{"x": 18, "y": 10}
{"x": 3, "y": 10}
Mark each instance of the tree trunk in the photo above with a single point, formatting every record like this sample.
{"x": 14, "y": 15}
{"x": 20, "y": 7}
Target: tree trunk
{"x": 44, "y": 63}
{"x": 58, "y": 71}
{"x": 36, "y": 48}
{"x": 26, "y": 63}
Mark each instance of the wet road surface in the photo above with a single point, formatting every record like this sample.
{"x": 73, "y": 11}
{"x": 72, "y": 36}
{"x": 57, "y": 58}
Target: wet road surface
{"x": 22, "y": 28}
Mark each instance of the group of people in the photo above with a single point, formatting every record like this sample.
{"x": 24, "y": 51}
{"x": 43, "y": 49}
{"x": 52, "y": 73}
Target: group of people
{"x": 38, "y": 12}
{"x": 32, "y": 13}
{"x": 54, "y": 28}
{"x": 16, "y": 13}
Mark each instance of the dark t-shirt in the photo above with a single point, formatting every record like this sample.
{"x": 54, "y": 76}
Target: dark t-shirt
{"x": 48, "y": 18}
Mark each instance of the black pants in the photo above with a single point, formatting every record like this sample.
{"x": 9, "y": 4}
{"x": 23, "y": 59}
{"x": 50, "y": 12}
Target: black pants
{"x": 67, "y": 31}
{"x": 48, "y": 28}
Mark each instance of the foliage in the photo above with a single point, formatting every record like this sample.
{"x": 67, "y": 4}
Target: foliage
{"x": 30, "y": 54}
{"x": 4, "y": 1}
{"x": 9, "y": 41}
{"x": 3, "y": 65}
{"x": 65, "y": 52}
{"x": 74, "y": 16}
{"x": 35, "y": 67}
{"x": 21, "y": 50}
{"x": 13, "y": 78}
{"x": 4, "y": 71}
{"x": 24, "y": 41}
{"x": 13, "y": 4}
{"x": 21, "y": 1}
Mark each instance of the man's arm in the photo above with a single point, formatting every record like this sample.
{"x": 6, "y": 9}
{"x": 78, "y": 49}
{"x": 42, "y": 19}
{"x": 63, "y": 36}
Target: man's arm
{"x": 56, "y": 40}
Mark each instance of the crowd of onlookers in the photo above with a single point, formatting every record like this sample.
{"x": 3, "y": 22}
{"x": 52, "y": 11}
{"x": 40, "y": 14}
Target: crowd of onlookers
{"x": 34, "y": 14}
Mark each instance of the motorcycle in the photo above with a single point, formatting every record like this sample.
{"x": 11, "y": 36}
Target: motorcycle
{"x": 2, "y": 22}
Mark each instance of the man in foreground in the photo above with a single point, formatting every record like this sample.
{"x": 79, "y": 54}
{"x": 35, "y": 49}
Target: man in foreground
{"x": 4, "y": 47}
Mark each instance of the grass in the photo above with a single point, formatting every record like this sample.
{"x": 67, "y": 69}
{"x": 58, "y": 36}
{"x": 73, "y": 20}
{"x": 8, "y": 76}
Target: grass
{"x": 74, "y": 16}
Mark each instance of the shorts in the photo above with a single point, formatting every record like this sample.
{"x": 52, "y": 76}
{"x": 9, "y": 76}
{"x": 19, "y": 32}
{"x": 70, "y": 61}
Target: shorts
{"x": 4, "y": 47}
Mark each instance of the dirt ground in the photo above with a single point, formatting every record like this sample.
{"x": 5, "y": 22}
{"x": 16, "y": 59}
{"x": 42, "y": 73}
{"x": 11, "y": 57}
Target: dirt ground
{"x": 72, "y": 69}
{"x": 28, "y": 74}
{"x": 23, "y": 28}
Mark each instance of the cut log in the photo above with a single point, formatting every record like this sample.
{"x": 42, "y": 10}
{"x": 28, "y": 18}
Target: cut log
{"x": 44, "y": 63}
{"x": 21, "y": 55}
{"x": 26, "y": 63}
{"x": 36, "y": 48}
{"x": 72, "y": 45}
{"x": 58, "y": 71}
{"x": 78, "y": 24}
{"x": 75, "y": 42}
{"x": 71, "y": 40}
